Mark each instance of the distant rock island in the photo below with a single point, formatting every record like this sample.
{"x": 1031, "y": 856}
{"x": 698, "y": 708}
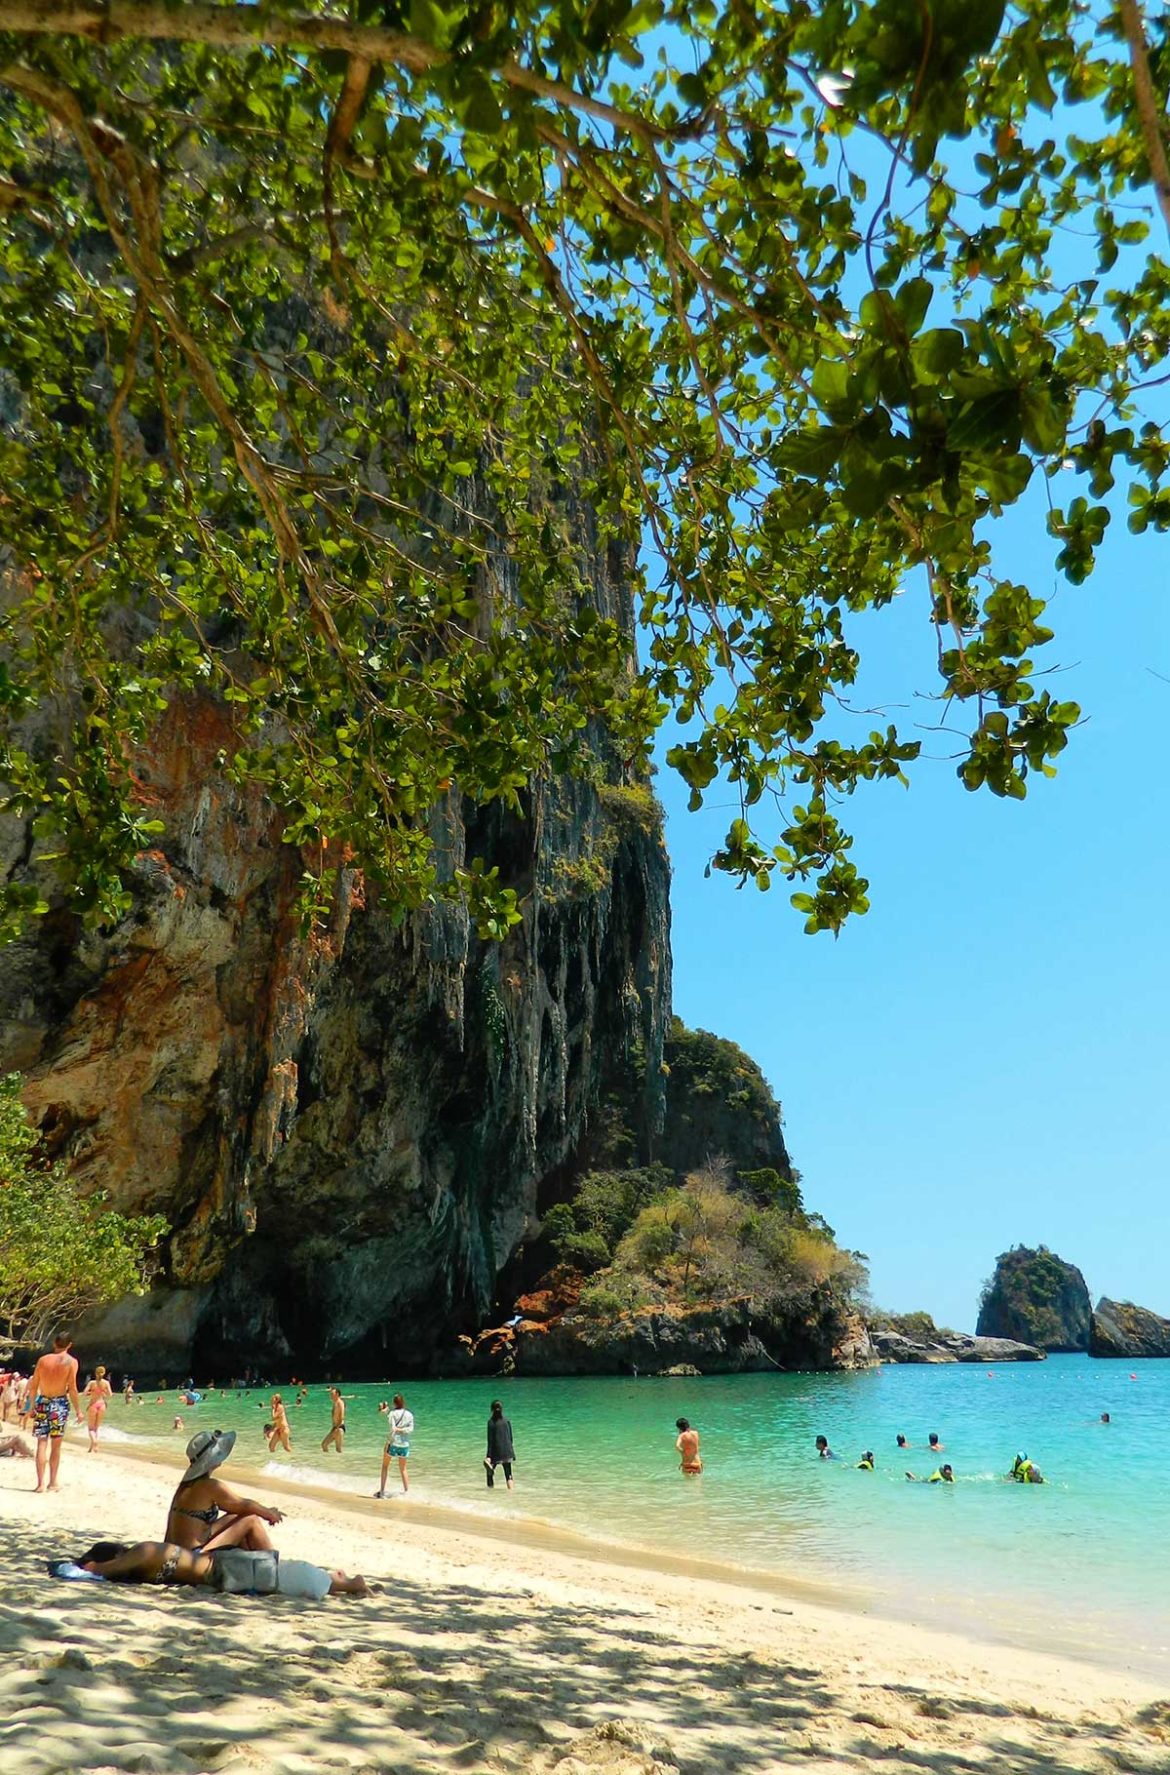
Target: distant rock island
{"x": 1121, "y": 1329}
{"x": 1037, "y": 1298}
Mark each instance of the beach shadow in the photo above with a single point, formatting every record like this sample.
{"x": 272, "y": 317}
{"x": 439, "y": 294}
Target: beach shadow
{"x": 440, "y": 1677}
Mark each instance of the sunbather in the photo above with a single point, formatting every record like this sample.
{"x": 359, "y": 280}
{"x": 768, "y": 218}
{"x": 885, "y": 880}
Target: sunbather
{"x": 204, "y": 1509}
{"x": 261, "y": 1574}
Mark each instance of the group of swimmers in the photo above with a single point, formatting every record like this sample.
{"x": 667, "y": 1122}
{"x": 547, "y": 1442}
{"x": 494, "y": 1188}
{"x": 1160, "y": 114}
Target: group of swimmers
{"x": 1023, "y": 1471}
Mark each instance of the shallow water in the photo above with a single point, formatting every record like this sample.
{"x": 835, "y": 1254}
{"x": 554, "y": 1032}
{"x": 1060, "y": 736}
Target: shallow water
{"x": 1084, "y": 1554}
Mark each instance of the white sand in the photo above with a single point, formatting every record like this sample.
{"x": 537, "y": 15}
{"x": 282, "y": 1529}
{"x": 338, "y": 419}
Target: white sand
{"x": 501, "y": 1652}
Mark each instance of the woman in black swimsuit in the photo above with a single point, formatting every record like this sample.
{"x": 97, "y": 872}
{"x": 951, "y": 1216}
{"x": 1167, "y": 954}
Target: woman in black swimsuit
{"x": 205, "y": 1513}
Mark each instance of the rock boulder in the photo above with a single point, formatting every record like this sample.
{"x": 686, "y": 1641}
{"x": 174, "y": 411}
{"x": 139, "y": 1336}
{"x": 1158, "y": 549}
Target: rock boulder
{"x": 1121, "y": 1329}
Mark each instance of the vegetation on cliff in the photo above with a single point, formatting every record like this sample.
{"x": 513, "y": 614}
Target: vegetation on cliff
{"x": 316, "y": 318}
{"x": 60, "y": 1253}
{"x": 1036, "y": 1298}
{"x": 711, "y": 1238}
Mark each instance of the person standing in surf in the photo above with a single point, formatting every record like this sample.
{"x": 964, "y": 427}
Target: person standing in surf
{"x": 501, "y": 1449}
{"x": 336, "y": 1437}
{"x": 279, "y": 1432}
{"x": 400, "y": 1423}
{"x": 687, "y": 1444}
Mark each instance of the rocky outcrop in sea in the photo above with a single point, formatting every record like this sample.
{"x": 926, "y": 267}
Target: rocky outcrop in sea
{"x": 1035, "y": 1297}
{"x": 950, "y": 1346}
{"x": 1120, "y": 1329}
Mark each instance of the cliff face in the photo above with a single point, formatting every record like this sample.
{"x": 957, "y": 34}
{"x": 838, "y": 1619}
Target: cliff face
{"x": 1121, "y": 1329}
{"x": 347, "y": 1131}
{"x": 1036, "y": 1298}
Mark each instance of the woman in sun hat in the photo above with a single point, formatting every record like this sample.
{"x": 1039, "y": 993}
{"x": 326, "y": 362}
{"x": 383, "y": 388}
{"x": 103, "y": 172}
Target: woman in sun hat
{"x": 205, "y": 1513}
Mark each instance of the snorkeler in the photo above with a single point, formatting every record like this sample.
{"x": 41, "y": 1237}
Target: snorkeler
{"x": 1025, "y": 1472}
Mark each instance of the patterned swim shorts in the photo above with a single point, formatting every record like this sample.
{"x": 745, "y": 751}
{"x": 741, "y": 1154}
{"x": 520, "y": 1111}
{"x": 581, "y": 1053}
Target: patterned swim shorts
{"x": 50, "y": 1416}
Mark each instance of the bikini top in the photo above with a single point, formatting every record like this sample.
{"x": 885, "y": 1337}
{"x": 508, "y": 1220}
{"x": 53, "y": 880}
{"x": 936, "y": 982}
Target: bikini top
{"x": 210, "y": 1515}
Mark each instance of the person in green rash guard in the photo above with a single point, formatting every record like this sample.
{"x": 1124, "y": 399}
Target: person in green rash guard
{"x": 944, "y": 1475}
{"x": 1025, "y": 1472}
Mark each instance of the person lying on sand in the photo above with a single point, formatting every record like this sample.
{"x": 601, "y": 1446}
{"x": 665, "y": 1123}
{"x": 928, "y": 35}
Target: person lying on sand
{"x": 204, "y": 1509}
{"x": 162, "y": 1562}
{"x": 15, "y": 1445}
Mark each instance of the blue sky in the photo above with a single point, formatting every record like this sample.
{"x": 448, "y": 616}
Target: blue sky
{"x": 983, "y": 1059}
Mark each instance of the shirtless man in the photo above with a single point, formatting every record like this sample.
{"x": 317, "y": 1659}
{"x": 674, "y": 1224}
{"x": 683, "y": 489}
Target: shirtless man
{"x": 52, "y": 1391}
{"x": 336, "y": 1436}
{"x": 687, "y": 1444}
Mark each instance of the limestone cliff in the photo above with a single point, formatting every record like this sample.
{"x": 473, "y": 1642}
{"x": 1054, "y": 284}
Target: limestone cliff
{"x": 1120, "y": 1329}
{"x": 1034, "y": 1297}
{"x": 347, "y": 1131}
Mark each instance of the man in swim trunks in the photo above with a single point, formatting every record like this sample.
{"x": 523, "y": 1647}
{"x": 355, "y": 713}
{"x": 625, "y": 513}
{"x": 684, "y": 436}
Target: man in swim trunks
{"x": 53, "y": 1389}
{"x": 687, "y": 1444}
{"x": 336, "y": 1436}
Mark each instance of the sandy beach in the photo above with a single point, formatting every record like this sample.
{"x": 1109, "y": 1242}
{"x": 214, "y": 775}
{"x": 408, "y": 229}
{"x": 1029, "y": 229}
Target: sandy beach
{"x": 500, "y": 1650}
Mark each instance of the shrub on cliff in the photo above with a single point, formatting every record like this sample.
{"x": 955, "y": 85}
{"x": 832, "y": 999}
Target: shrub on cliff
{"x": 60, "y": 1253}
{"x": 704, "y": 1241}
{"x": 586, "y": 1231}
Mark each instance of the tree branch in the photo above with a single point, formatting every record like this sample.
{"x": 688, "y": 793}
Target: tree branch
{"x": 248, "y": 26}
{"x": 1146, "y": 99}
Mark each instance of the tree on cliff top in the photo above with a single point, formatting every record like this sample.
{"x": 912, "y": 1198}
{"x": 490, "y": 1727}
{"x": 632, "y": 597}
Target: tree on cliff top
{"x": 60, "y": 1253}
{"x": 317, "y": 319}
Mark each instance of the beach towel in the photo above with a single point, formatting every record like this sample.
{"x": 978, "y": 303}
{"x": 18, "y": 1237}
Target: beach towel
{"x": 76, "y": 1574}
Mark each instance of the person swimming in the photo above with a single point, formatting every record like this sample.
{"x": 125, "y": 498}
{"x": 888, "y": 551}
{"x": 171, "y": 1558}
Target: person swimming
{"x": 866, "y": 1463}
{"x": 936, "y": 1447}
{"x": 944, "y": 1475}
{"x": 1025, "y": 1472}
{"x": 901, "y": 1440}
{"x": 823, "y": 1449}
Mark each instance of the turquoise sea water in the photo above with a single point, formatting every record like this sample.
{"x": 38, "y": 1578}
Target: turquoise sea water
{"x": 1082, "y": 1560}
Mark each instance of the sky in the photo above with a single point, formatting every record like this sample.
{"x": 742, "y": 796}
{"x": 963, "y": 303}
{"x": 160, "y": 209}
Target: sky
{"x": 982, "y": 1060}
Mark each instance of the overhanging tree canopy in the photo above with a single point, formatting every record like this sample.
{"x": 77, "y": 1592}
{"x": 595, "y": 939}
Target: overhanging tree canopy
{"x": 315, "y": 317}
